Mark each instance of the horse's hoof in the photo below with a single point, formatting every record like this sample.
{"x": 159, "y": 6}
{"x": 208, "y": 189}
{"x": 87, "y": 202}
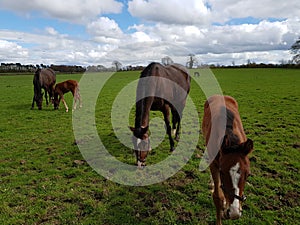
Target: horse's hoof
{"x": 172, "y": 149}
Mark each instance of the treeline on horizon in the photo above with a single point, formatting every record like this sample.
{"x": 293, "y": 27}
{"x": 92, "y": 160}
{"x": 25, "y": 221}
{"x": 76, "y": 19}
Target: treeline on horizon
{"x": 19, "y": 68}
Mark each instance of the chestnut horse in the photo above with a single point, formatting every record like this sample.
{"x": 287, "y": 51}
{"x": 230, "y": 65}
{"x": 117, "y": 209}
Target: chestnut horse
{"x": 160, "y": 88}
{"x": 43, "y": 79}
{"x": 63, "y": 88}
{"x": 231, "y": 166}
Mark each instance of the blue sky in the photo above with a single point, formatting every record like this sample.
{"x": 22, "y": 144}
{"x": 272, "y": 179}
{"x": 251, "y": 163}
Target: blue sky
{"x": 100, "y": 31}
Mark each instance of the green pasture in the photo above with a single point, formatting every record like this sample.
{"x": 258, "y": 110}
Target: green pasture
{"x": 44, "y": 179}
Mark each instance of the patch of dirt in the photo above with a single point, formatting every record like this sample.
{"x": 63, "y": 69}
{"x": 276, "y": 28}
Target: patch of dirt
{"x": 297, "y": 146}
{"x": 290, "y": 199}
{"x": 184, "y": 215}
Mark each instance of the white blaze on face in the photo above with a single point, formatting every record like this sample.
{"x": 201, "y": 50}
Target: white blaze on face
{"x": 138, "y": 141}
{"x": 235, "y": 177}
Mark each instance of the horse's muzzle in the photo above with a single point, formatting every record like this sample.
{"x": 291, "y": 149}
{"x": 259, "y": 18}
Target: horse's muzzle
{"x": 232, "y": 214}
{"x": 141, "y": 165}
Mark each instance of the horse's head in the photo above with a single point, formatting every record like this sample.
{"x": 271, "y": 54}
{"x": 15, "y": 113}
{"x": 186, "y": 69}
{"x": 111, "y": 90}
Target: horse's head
{"x": 234, "y": 170}
{"x": 39, "y": 100}
{"x": 141, "y": 143}
{"x": 55, "y": 100}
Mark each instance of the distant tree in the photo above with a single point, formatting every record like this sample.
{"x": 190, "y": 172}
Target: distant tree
{"x": 295, "y": 50}
{"x": 192, "y": 61}
{"x": 167, "y": 60}
{"x": 117, "y": 65}
{"x": 101, "y": 68}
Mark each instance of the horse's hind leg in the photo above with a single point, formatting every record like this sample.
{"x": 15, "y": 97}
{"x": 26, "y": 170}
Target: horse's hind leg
{"x": 46, "y": 97}
{"x": 166, "y": 112}
{"x": 176, "y": 120}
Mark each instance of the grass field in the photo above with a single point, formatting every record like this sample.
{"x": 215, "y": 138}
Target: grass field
{"x": 45, "y": 180}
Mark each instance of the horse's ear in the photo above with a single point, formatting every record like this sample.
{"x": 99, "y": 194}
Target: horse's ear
{"x": 248, "y": 146}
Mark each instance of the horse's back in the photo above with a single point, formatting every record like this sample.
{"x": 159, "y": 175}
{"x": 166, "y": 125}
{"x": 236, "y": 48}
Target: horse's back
{"x": 179, "y": 74}
{"x": 66, "y": 86}
{"x": 174, "y": 72}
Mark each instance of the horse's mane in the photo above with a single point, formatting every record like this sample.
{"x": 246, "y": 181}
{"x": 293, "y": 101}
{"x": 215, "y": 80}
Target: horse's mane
{"x": 231, "y": 141}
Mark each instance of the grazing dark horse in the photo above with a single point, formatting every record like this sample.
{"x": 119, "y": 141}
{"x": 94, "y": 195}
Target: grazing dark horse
{"x": 231, "y": 166}
{"x": 43, "y": 79}
{"x": 63, "y": 88}
{"x": 160, "y": 88}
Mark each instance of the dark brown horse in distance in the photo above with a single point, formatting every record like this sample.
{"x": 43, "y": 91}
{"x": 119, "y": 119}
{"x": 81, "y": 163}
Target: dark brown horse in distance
{"x": 230, "y": 166}
{"x": 63, "y": 88}
{"x": 160, "y": 88}
{"x": 43, "y": 79}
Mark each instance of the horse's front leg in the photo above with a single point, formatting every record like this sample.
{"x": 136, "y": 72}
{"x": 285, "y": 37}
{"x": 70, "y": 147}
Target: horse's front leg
{"x": 218, "y": 195}
{"x": 65, "y": 104}
{"x": 33, "y": 100}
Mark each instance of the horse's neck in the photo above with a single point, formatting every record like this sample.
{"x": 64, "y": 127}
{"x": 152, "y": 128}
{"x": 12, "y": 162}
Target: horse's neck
{"x": 142, "y": 113}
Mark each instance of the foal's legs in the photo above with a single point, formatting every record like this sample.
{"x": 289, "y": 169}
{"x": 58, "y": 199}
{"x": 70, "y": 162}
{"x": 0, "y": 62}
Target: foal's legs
{"x": 65, "y": 104}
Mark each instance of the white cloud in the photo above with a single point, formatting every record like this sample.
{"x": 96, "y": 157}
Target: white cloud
{"x": 51, "y": 31}
{"x": 227, "y": 9}
{"x": 10, "y": 50}
{"x": 77, "y": 11}
{"x": 105, "y": 27}
{"x": 171, "y": 11}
